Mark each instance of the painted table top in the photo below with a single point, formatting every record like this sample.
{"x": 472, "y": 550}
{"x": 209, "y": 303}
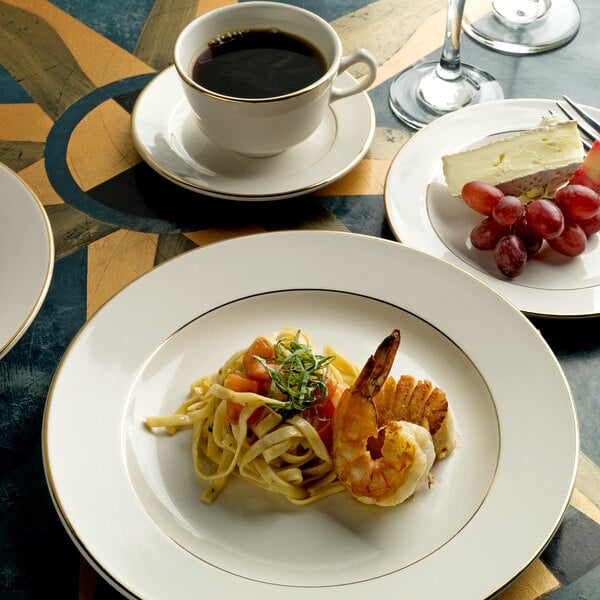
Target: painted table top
{"x": 70, "y": 72}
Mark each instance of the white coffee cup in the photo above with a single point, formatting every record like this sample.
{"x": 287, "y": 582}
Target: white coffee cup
{"x": 266, "y": 126}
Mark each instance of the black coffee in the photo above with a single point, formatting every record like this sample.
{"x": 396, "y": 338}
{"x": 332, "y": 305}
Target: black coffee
{"x": 258, "y": 64}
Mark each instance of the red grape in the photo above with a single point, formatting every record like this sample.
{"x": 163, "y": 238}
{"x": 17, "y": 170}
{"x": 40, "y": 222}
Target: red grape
{"x": 590, "y": 226}
{"x": 485, "y": 235}
{"x": 545, "y": 218}
{"x": 480, "y": 196}
{"x": 578, "y": 202}
{"x": 571, "y": 242}
{"x": 511, "y": 255}
{"x": 508, "y": 210}
{"x": 516, "y": 231}
{"x": 532, "y": 241}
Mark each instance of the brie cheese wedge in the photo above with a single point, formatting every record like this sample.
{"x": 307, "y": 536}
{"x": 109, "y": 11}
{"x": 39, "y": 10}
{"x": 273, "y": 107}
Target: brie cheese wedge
{"x": 532, "y": 163}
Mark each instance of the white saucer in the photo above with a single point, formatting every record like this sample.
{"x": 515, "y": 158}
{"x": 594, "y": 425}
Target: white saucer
{"x": 168, "y": 139}
{"x": 26, "y": 257}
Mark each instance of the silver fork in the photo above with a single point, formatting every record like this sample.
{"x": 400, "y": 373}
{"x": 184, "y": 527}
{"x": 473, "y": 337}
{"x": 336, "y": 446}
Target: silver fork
{"x": 589, "y": 126}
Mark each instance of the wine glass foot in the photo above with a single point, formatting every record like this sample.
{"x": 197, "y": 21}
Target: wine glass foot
{"x": 417, "y": 96}
{"x": 554, "y": 28}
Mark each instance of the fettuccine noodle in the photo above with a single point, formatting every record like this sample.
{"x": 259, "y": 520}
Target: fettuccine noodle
{"x": 241, "y": 433}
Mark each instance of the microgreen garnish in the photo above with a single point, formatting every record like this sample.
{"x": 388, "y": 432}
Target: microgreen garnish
{"x": 297, "y": 375}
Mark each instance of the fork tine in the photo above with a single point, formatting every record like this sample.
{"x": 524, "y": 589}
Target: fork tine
{"x": 581, "y": 126}
{"x": 593, "y": 132}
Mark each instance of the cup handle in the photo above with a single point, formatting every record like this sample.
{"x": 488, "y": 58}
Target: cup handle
{"x": 358, "y": 56}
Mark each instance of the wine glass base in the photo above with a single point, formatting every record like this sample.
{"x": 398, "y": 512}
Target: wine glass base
{"x": 558, "y": 26}
{"x": 409, "y": 104}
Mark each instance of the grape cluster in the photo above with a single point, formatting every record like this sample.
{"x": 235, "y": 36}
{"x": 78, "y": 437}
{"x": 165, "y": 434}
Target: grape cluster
{"x": 515, "y": 230}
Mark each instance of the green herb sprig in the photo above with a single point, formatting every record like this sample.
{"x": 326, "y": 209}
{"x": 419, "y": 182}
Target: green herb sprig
{"x": 297, "y": 375}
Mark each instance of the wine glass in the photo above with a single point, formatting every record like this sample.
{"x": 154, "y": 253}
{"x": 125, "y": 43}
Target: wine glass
{"x": 522, "y": 26}
{"x": 428, "y": 90}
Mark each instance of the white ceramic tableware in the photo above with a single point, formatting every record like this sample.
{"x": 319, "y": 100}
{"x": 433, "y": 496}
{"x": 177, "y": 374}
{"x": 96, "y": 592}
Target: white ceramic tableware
{"x": 130, "y": 498}
{"x": 422, "y": 212}
{"x": 26, "y": 257}
{"x": 266, "y": 126}
{"x": 167, "y": 137}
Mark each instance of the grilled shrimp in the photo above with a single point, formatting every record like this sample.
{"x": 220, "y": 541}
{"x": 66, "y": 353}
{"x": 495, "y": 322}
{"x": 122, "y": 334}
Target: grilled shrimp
{"x": 380, "y": 463}
{"x": 420, "y": 403}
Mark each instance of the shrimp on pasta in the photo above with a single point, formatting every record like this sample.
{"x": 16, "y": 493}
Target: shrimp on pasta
{"x": 266, "y": 416}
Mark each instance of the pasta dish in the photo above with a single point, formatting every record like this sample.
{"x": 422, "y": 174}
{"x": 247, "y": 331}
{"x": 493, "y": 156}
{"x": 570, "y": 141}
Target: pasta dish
{"x": 308, "y": 425}
{"x": 266, "y": 417}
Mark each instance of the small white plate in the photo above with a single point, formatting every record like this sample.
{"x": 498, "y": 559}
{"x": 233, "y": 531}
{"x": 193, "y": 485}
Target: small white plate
{"x": 26, "y": 257}
{"x": 130, "y": 498}
{"x": 423, "y": 214}
{"x": 167, "y": 137}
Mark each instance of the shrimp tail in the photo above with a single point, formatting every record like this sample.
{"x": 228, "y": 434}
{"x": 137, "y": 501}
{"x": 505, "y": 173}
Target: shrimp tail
{"x": 378, "y": 366}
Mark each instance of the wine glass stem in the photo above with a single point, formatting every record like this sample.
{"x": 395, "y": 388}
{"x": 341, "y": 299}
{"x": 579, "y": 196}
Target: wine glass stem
{"x": 449, "y": 67}
{"x": 432, "y": 88}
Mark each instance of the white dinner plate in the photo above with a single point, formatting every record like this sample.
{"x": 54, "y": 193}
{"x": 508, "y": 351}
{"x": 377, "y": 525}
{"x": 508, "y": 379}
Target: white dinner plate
{"x": 167, "y": 137}
{"x": 423, "y": 214}
{"x": 26, "y": 257}
{"x": 130, "y": 500}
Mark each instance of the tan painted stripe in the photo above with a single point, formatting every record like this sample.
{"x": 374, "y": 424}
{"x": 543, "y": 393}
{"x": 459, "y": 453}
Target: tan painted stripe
{"x": 40, "y": 61}
{"x": 534, "y": 583}
{"x": 73, "y": 57}
{"x": 24, "y": 122}
{"x": 115, "y": 261}
{"x": 203, "y": 6}
{"x": 157, "y": 40}
{"x": 475, "y": 9}
{"x": 425, "y": 40}
{"x": 166, "y": 19}
{"x": 367, "y": 178}
{"x": 217, "y": 234}
{"x": 397, "y": 32}
{"x": 588, "y": 483}
{"x": 101, "y": 146}
{"x": 36, "y": 177}
{"x": 583, "y": 504}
